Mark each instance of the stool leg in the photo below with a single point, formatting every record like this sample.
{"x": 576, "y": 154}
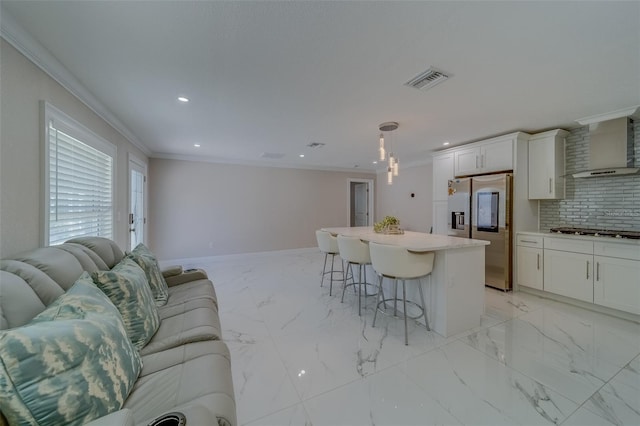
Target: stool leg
{"x": 375, "y": 314}
{"x": 365, "y": 280}
{"x": 395, "y": 298}
{"x": 324, "y": 267}
{"x": 404, "y": 302}
{"x": 359, "y": 289}
{"x": 424, "y": 306}
{"x": 344, "y": 281}
{"x": 333, "y": 256}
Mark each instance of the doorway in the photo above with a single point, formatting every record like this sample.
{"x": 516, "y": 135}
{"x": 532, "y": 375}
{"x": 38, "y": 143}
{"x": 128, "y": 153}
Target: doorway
{"x": 137, "y": 201}
{"x": 360, "y": 203}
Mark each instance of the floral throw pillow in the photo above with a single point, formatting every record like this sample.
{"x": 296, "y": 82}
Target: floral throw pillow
{"x": 147, "y": 261}
{"x": 126, "y": 286}
{"x": 72, "y": 364}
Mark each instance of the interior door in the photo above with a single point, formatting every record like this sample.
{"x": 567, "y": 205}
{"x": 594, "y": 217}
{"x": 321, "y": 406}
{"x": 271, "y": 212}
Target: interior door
{"x": 361, "y": 203}
{"x": 137, "y": 219}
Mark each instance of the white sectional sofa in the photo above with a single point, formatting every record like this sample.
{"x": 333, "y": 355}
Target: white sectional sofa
{"x": 185, "y": 366}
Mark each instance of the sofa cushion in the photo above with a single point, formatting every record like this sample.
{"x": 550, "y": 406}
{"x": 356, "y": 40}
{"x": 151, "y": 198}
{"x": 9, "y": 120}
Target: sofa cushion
{"x": 18, "y": 302}
{"x": 58, "y": 264}
{"x": 108, "y": 250}
{"x": 191, "y": 326}
{"x": 126, "y": 285}
{"x": 197, "y": 374}
{"x": 25, "y": 291}
{"x": 199, "y": 289}
{"x": 68, "y": 366}
{"x": 88, "y": 259}
{"x": 82, "y": 300}
{"x": 171, "y": 310}
{"x": 147, "y": 261}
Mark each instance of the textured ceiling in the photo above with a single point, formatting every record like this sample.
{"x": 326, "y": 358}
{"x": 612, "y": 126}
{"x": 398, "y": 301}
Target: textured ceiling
{"x": 276, "y": 76}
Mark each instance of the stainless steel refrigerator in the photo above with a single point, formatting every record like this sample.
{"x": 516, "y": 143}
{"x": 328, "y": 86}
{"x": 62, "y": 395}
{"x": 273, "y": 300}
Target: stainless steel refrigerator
{"x": 480, "y": 207}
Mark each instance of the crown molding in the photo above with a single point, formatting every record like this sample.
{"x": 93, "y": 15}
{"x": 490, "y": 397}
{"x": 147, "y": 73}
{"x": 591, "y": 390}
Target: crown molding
{"x": 18, "y": 37}
{"x": 260, "y": 163}
{"x": 625, "y": 112}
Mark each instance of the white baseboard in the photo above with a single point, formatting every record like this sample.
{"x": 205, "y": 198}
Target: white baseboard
{"x": 189, "y": 262}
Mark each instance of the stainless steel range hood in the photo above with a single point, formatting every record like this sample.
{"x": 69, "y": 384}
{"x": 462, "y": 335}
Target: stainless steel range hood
{"x": 611, "y": 149}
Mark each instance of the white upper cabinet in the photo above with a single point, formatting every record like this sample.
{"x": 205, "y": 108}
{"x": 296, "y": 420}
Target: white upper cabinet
{"x": 546, "y": 165}
{"x": 442, "y": 172}
{"x": 495, "y": 155}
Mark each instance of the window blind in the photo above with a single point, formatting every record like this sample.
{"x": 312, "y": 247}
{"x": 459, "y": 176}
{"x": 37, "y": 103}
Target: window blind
{"x": 80, "y": 188}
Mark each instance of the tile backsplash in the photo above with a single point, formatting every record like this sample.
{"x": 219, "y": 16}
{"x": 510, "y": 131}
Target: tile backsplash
{"x": 600, "y": 202}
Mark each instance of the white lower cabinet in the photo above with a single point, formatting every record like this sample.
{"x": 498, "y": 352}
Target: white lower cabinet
{"x": 603, "y": 273}
{"x": 530, "y": 261}
{"x": 530, "y": 267}
{"x": 617, "y": 283}
{"x": 569, "y": 274}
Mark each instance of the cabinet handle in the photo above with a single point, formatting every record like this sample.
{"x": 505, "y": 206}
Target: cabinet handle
{"x": 538, "y": 261}
{"x": 550, "y": 180}
{"x": 482, "y": 160}
{"x": 587, "y": 269}
{"x": 529, "y": 241}
{"x": 476, "y": 161}
{"x": 597, "y": 271}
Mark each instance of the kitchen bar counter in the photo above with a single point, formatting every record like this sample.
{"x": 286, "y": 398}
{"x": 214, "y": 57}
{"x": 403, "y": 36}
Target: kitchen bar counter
{"x": 414, "y": 241}
{"x": 456, "y": 297}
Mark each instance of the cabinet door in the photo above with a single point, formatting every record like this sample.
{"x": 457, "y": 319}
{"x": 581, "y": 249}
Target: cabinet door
{"x": 467, "y": 161}
{"x": 440, "y": 216}
{"x": 442, "y": 172}
{"x": 569, "y": 274}
{"x": 540, "y": 169}
{"x": 617, "y": 283}
{"x": 497, "y": 156}
{"x": 530, "y": 267}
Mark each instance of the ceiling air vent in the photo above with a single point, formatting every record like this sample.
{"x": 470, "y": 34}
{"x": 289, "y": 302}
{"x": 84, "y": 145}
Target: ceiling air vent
{"x": 427, "y": 79}
{"x": 315, "y": 145}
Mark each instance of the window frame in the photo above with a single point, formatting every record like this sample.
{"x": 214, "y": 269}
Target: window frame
{"x": 76, "y": 130}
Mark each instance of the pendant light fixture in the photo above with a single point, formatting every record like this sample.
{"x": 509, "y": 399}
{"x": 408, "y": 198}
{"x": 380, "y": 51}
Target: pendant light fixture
{"x": 392, "y": 166}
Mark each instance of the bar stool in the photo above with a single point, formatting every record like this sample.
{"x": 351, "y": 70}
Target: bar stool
{"x": 328, "y": 244}
{"x": 354, "y": 251}
{"x": 398, "y": 263}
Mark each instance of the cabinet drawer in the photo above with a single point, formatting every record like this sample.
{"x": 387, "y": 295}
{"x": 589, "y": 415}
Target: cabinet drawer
{"x": 576, "y": 246}
{"x": 529, "y": 241}
{"x": 620, "y": 250}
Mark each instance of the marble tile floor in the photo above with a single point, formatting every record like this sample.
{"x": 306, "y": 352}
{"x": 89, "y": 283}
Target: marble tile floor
{"x": 300, "y": 357}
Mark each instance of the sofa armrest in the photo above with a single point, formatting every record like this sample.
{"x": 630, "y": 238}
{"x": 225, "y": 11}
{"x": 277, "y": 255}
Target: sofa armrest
{"x": 186, "y": 276}
{"x": 122, "y": 417}
{"x": 171, "y": 271}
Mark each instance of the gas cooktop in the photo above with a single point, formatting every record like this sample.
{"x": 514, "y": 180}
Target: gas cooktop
{"x": 635, "y": 235}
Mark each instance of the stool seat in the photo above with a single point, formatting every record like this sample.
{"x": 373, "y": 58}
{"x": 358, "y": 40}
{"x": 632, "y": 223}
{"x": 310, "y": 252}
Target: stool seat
{"x": 398, "y": 263}
{"x": 354, "y": 251}
{"x": 328, "y": 244}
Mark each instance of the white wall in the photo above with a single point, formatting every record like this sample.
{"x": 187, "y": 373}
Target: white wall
{"x": 199, "y": 209}
{"x": 23, "y": 86}
{"x": 395, "y": 200}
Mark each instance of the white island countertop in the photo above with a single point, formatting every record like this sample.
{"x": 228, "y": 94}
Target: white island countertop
{"x": 456, "y": 289}
{"x": 414, "y": 241}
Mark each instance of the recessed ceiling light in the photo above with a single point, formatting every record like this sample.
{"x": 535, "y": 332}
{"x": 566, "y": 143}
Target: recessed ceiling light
{"x": 301, "y": 155}
{"x": 375, "y": 162}
{"x": 197, "y": 145}
{"x": 183, "y": 99}
{"x": 446, "y": 143}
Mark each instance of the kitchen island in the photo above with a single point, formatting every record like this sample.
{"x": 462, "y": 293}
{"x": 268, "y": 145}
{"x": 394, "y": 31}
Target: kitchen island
{"x": 455, "y": 299}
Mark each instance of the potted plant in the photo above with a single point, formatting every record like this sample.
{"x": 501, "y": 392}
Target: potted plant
{"x": 388, "y": 225}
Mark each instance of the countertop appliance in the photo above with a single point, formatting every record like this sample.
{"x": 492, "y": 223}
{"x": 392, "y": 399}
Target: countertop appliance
{"x": 480, "y": 207}
{"x": 595, "y": 232}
